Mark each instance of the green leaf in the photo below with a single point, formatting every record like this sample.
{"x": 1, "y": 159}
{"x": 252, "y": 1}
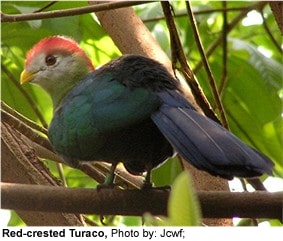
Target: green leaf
{"x": 252, "y": 101}
{"x": 15, "y": 220}
{"x": 166, "y": 174}
{"x": 183, "y": 206}
{"x": 270, "y": 70}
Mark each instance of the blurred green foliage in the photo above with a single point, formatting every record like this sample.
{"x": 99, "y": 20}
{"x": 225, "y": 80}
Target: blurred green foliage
{"x": 252, "y": 94}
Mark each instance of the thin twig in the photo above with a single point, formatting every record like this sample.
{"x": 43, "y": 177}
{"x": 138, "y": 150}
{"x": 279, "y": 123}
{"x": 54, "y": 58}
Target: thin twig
{"x": 269, "y": 33}
{"x": 183, "y": 13}
{"x": 62, "y": 177}
{"x": 45, "y": 7}
{"x": 223, "y": 80}
{"x": 69, "y": 12}
{"x": 179, "y": 55}
{"x": 256, "y": 184}
{"x": 23, "y": 119}
{"x": 277, "y": 9}
{"x": 206, "y": 66}
{"x": 24, "y": 129}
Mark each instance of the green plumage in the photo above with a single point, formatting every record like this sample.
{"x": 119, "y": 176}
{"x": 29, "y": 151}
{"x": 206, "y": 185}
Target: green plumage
{"x": 103, "y": 119}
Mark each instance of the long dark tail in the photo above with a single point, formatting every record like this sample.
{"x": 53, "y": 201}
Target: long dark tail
{"x": 206, "y": 144}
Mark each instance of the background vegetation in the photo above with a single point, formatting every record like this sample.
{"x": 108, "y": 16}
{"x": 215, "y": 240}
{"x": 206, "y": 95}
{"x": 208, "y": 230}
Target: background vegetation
{"x": 249, "y": 80}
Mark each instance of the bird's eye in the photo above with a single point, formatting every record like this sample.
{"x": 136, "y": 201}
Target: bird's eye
{"x": 50, "y": 60}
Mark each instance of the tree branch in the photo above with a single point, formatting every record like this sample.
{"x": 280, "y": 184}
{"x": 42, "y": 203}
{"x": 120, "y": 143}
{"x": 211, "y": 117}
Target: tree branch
{"x": 269, "y": 33}
{"x": 183, "y": 13}
{"x": 49, "y": 4}
{"x": 208, "y": 70}
{"x": 69, "y": 12}
{"x": 223, "y": 80}
{"x": 17, "y": 119}
{"x": 20, "y": 164}
{"x": 116, "y": 201}
{"x": 179, "y": 55}
{"x": 277, "y": 9}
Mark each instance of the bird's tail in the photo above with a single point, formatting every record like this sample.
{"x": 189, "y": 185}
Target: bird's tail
{"x": 206, "y": 144}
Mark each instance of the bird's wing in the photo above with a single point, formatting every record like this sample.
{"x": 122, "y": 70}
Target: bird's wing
{"x": 204, "y": 143}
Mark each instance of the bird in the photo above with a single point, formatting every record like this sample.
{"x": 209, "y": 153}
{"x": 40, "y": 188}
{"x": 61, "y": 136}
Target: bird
{"x": 130, "y": 110}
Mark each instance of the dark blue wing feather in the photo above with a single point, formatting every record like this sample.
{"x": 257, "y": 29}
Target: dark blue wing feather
{"x": 204, "y": 143}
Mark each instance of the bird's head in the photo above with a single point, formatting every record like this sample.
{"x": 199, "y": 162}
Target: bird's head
{"x": 56, "y": 63}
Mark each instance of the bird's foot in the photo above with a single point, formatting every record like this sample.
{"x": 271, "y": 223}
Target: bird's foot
{"x": 108, "y": 182}
{"x": 109, "y": 179}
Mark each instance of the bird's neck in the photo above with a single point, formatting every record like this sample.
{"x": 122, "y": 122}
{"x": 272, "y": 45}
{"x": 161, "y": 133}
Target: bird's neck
{"x": 60, "y": 93}
{"x": 62, "y": 88}
{"x": 66, "y": 80}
